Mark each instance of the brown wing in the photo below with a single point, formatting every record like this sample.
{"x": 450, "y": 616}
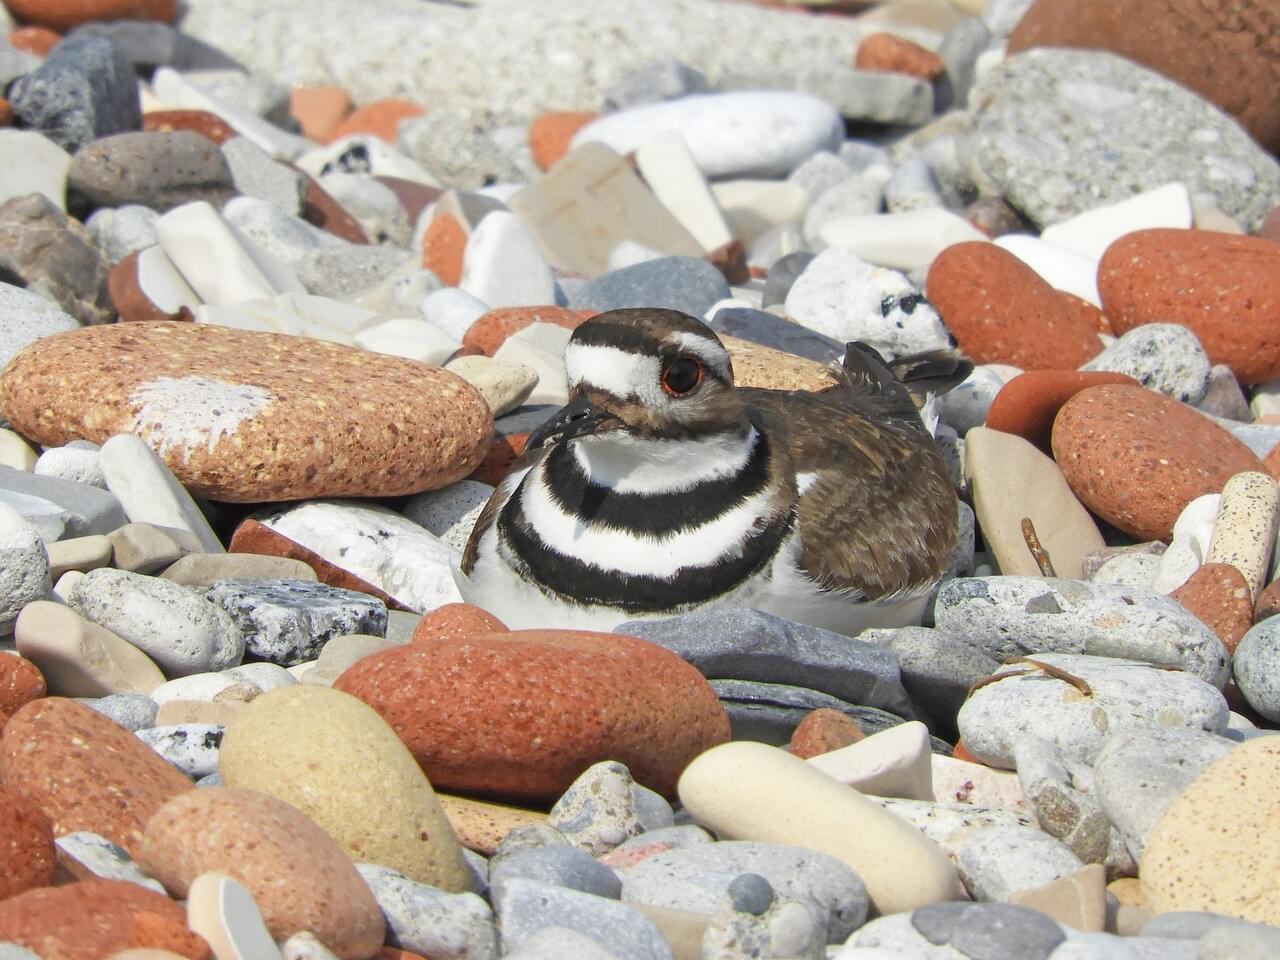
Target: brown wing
{"x": 489, "y": 513}
{"x": 880, "y": 518}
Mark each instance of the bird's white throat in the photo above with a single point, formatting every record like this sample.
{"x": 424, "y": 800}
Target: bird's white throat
{"x": 628, "y": 464}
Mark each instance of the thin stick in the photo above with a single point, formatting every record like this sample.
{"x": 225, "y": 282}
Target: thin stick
{"x": 1037, "y": 551}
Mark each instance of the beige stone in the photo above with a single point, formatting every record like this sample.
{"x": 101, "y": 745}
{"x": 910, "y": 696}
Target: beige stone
{"x": 79, "y": 658}
{"x": 753, "y": 207}
{"x": 792, "y": 802}
{"x": 147, "y": 547}
{"x": 242, "y": 416}
{"x": 1244, "y": 534}
{"x": 1078, "y": 900}
{"x": 206, "y": 569}
{"x": 1011, "y": 479}
{"x": 335, "y": 759}
{"x": 755, "y": 365}
{"x": 959, "y": 781}
{"x": 682, "y": 929}
{"x": 196, "y": 711}
{"x": 891, "y": 763}
{"x": 223, "y": 911}
{"x": 1217, "y": 844}
{"x": 504, "y": 386}
{"x": 78, "y": 553}
{"x": 340, "y": 653}
{"x": 480, "y": 825}
{"x": 16, "y": 452}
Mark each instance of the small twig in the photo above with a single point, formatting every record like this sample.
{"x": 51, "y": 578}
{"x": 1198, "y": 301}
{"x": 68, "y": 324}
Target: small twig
{"x": 1035, "y": 665}
{"x": 1037, "y": 550}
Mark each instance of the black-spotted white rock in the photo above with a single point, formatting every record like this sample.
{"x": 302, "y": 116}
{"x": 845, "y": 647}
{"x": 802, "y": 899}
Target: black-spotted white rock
{"x": 598, "y": 810}
{"x": 191, "y": 747}
{"x": 1161, "y": 356}
{"x": 180, "y": 630}
{"x": 1075, "y": 702}
{"x": 1013, "y": 616}
{"x": 289, "y": 621}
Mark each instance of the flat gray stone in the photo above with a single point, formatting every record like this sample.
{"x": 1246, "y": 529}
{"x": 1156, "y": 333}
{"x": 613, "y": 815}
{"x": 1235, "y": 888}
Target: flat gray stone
{"x": 1166, "y": 357}
{"x": 425, "y": 920}
{"x": 132, "y": 711}
{"x": 750, "y": 645}
{"x": 120, "y": 231}
{"x": 1062, "y": 131}
{"x": 769, "y": 712}
{"x": 104, "y": 859}
{"x": 146, "y": 44}
{"x": 255, "y": 174}
{"x": 993, "y": 931}
{"x": 156, "y": 169}
{"x": 860, "y": 95}
{"x": 1140, "y": 771}
{"x": 289, "y": 621}
{"x": 1012, "y": 616}
{"x": 1121, "y": 694}
{"x": 558, "y": 866}
{"x": 525, "y": 906}
{"x": 698, "y": 877}
{"x": 341, "y": 271}
{"x": 88, "y": 510}
{"x": 24, "y": 567}
{"x": 674, "y": 283}
{"x": 760, "y": 326}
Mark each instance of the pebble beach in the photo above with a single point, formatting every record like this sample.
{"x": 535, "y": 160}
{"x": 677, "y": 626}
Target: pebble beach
{"x": 284, "y": 291}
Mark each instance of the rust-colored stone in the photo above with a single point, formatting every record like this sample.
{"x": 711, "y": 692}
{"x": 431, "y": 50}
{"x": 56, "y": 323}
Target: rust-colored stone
{"x": 1087, "y": 312}
{"x": 731, "y": 260}
{"x": 503, "y": 452}
{"x": 37, "y": 40}
{"x": 6, "y": 113}
{"x": 155, "y": 931}
{"x": 320, "y": 210}
{"x": 1137, "y": 458}
{"x": 208, "y": 125}
{"x": 62, "y": 15}
{"x": 319, "y": 110}
{"x": 822, "y": 731}
{"x": 491, "y": 330}
{"x": 131, "y": 301}
{"x": 551, "y": 133}
{"x": 455, "y": 621}
{"x": 20, "y": 682}
{"x": 254, "y": 537}
{"x": 1027, "y": 404}
{"x": 1219, "y": 596}
{"x": 1001, "y": 311}
{"x": 1268, "y": 604}
{"x": 519, "y": 715}
{"x": 413, "y": 196}
{"x": 443, "y": 244}
{"x": 994, "y": 217}
{"x": 26, "y": 844}
{"x": 889, "y": 53}
{"x": 378, "y": 119}
{"x": 85, "y": 771}
{"x": 1224, "y": 288}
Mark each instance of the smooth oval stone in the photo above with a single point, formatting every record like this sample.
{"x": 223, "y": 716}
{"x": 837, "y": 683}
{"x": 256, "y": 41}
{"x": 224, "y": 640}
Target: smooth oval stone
{"x": 1257, "y": 667}
{"x": 1215, "y": 847}
{"x": 1014, "y": 616}
{"x": 297, "y": 874}
{"x": 1029, "y": 699}
{"x": 696, "y": 878}
{"x": 158, "y": 170}
{"x": 337, "y": 761}
{"x": 796, "y": 804}
{"x": 244, "y": 416}
{"x": 1165, "y": 357}
{"x": 674, "y": 283}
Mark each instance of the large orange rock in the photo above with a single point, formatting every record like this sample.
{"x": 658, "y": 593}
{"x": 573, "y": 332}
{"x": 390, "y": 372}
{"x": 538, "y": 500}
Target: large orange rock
{"x": 1226, "y": 52}
{"x": 1223, "y": 287}
{"x": 20, "y": 682}
{"x": 1001, "y": 311}
{"x": 65, "y": 14}
{"x": 26, "y": 844}
{"x": 1028, "y": 403}
{"x": 520, "y": 714}
{"x": 1137, "y": 458}
{"x": 85, "y": 771}
{"x": 209, "y": 125}
{"x": 93, "y": 919}
{"x": 551, "y": 133}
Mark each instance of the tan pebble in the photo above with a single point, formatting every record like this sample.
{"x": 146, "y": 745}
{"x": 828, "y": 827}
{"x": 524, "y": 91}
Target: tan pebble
{"x": 79, "y": 658}
{"x": 223, "y": 911}
{"x": 297, "y": 874}
{"x": 504, "y": 386}
{"x": 81, "y": 554}
{"x": 335, "y": 759}
{"x": 16, "y": 452}
{"x": 755, "y": 365}
{"x": 195, "y": 711}
{"x": 961, "y": 781}
{"x": 792, "y": 802}
{"x": 682, "y": 929}
{"x": 481, "y": 826}
{"x": 1078, "y": 900}
{"x": 891, "y": 763}
{"x": 146, "y": 547}
{"x": 1127, "y": 891}
{"x": 1244, "y": 533}
{"x": 206, "y": 569}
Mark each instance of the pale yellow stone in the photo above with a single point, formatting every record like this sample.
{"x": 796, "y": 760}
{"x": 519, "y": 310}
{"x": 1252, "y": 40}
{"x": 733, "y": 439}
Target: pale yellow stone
{"x": 196, "y": 711}
{"x": 1077, "y": 900}
{"x": 79, "y": 658}
{"x": 335, "y": 759}
{"x": 16, "y": 452}
{"x": 78, "y": 553}
{"x": 1216, "y": 847}
{"x": 1244, "y": 534}
{"x": 148, "y": 547}
{"x": 891, "y": 763}
{"x": 753, "y": 207}
{"x": 755, "y": 365}
{"x": 480, "y": 825}
{"x": 1011, "y": 479}
{"x": 504, "y": 386}
{"x": 751, "y": 791}
{"x": 682, "y": 929}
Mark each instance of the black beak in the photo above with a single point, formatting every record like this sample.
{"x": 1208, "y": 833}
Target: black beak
{"x": 578, "y": 417}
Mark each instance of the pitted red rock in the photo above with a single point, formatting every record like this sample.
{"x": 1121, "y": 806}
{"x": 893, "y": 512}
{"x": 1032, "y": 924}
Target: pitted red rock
{"x": 456, "y": 621}
{"x": 85, "y": 771}
{"x": 1224, "y": 288}
{"x": 242, "y": 416}
{"x": 1219, "y": 596}
{"x": 20, "y": 682}
{"x": 1027, "y": 404}
{"x": 65, "y": 14}
{"x": 1001, "y": 311}
{"x": 890, "y": 53}
{"x": 822, "y": 731}
{"x": 26, "y": 844}
{"x": 520, "y": 715}
{"x": 1137, "y": 458}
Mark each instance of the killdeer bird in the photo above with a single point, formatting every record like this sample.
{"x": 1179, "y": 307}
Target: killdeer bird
{"x": 662, "y": 488}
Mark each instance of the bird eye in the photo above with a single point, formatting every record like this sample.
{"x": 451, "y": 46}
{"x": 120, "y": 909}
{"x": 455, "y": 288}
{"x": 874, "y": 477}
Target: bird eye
{"x": 682, "y": 376}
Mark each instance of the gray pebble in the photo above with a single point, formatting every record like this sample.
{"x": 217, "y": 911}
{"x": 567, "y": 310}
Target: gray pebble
{"x": 284, "y": 236}
{"x": 524, "y": 907}
{"x": 1140, "y": 771}
{"x": 342, "y": 271}
{"x": 180, "y": 630}
{"x": 819, "y": 173}
{"x": 1135, "y": 570}
{"x": 451, "y": 512}
{"x": 28, "y": 317}
{"x": 1166, "y": 357}
{"x": 191, "y": 747}
{"x": 652, "y": 809}
{"x": 425, "y": 920}
{"x": 896, "y": 934}
{"x": 451, "y": 144}
{"x": 255, "y": 174}
{"x": 1257, "y": 667}
{"x": 855, "y": 196}
{"x": 698, "y": 877}
{"x": 884, "y": 98}
{"x": 673, "y": 283}
{"x": 560, "y": 943}
{"x": 146, "y": 44}
{"x": 533, "y": 836}
{"x": 120, "y": 231}
{"x": 959, "y": 51}
{"x": 659, "y": 81}
{"x": 760, "y": 326}
{"x": 374, "y": 206}
{"x": 289, "y": 621}
{"x": 782, "y": 274}
{"x": 1189, "y": 924}
{"x": 912, "y": 187}
{"x": 994, "y": 931}
{"x": 1224, "y": 398}
{"x": 158, "y": 169}
{"x": 558, "y": 866}
{"x": 132, "y": 711}
{"x": 85, "y": 89}
{"x": 51, "y": 254}
{"x": 1063, "y": 809}
{"x": 750, "y": 893}
{"x": 769, "y": 712}
{"x": 104, "y": 859}
{"x": 994, "y": 862}
{"x": 255, "y": 92}
{"x": 598, "y": 811}
{"x": 1122, "y": 694}
{"x": 1011, "y": 616}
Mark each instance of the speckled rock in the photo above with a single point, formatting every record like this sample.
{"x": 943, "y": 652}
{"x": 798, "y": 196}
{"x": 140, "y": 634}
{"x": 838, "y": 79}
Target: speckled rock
{"x": 1221, "y": 287}
{"x": 1001, "y": 311}
{"x": 1028, "y": 403}
{"x": 246, "y": 416}
{"x": 822, "y": 731}
{"x": 20, "y": 682}
{"x": 298, "y": 875}
{"x": 1075, "y": 701}
{"x": 1215, "y": 846}
{"x": 461, "y": 707}
{"x": 345, "y": 768}
{"x": 1136, "y": 458}
{"x": 26, "y": 842}
{"x": 1166, "y": 357}
{"x": 86, "y": 772}
{"x": 157, "y": 170}
{"x": 1218, "y": 595}
{"x": 429, "y": 922}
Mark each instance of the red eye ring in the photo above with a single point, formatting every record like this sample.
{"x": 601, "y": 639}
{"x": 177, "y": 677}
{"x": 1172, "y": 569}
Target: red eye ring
{"x": 682, "y": 376}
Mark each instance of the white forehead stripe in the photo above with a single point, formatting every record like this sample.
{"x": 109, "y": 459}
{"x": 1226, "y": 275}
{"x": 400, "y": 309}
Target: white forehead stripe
{"x": 705, "y": 350}
{"x": 614, "y": 371}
